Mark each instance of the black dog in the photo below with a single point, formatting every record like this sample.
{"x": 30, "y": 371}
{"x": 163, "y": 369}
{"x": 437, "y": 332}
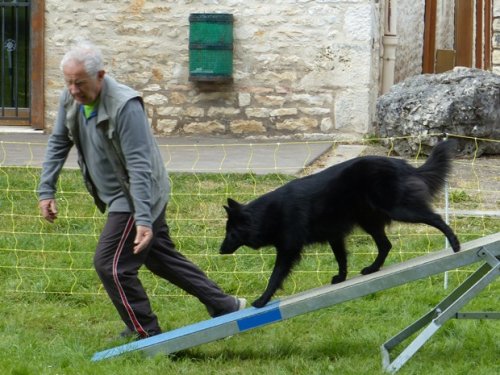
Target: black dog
{"x": 368, "y": 191}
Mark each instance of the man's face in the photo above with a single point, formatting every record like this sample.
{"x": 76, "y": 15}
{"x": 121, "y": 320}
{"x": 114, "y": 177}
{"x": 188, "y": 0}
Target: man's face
{"x": 84, "y": 88}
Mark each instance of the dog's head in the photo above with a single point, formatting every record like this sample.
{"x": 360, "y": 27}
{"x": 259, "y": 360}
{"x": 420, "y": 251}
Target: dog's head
{"x": 237, "y": 227}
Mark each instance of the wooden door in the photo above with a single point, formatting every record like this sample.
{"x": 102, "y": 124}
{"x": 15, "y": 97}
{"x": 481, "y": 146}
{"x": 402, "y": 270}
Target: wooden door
{"x": 473, "y": 32}
{"x": 22, "y": 63}
{"x": 473, "y": 23}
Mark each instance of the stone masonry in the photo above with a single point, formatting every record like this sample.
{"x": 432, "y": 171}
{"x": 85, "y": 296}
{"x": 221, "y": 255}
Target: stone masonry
{"x": 302, "y": 68}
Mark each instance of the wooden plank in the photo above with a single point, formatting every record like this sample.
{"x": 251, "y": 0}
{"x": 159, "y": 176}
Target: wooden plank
{"x": 479, "y": 34}
{"x": 488, "y": 26}
{"x": 14, "y": 116}
{"x": 14, "y": 122}
{"x": 429, "y": 36}
{"x": 464, "y": 32}
{"x": 37, "y": 64}
{"x": 445, "y": 60}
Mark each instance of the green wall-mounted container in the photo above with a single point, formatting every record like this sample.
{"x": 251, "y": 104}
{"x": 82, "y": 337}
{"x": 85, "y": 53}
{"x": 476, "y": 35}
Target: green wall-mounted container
{"x": 210, "y": 47}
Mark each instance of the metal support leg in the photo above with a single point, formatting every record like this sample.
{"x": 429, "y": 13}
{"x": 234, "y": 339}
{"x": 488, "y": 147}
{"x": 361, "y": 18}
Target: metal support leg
{"x": 445, "y": 310}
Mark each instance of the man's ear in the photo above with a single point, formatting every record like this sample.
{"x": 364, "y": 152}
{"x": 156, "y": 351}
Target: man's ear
{"x": 100, "y": 75}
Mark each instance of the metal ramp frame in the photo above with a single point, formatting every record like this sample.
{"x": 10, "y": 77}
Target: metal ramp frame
{"x": 486, "y": 249}
{"x": 448, "y": 308}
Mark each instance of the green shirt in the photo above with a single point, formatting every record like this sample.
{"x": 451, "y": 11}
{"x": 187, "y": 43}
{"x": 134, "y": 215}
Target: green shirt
{"x": 89, "y": 109}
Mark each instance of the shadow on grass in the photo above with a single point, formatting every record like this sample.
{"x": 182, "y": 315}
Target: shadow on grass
{"x": 278, "y": 349}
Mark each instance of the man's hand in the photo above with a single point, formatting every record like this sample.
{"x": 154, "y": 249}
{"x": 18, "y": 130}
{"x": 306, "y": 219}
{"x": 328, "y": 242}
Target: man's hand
{"x": 48, "y": 209}
{"x": 142, "y": 238}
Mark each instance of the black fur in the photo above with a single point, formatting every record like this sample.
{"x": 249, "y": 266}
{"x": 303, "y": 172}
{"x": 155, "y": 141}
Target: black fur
{"x": 368, "y": 191}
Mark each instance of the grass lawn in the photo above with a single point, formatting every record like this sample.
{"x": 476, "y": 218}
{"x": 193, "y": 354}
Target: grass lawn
{"x": 55, "y": 315}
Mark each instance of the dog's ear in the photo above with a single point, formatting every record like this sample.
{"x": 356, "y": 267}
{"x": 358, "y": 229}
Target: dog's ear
{"x": 232, "y": 203}
{"x": 234, "y": 209}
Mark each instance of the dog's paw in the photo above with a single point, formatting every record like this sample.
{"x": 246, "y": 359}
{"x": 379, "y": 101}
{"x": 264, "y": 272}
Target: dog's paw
{"x": 368, "y": 270}
{"x": 260, "y": 302}
{"x": 338, "y": 279}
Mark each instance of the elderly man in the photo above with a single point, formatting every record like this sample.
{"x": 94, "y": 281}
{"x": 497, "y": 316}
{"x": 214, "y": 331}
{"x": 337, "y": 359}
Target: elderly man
{"x": 124, "y": 172}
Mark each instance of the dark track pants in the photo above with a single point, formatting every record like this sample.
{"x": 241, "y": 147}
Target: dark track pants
{"x": 118, "y": 268}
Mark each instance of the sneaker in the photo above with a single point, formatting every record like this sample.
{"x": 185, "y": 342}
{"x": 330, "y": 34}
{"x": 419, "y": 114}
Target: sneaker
{"x": 240, "y": 305}
{"x": 127, "y": 333}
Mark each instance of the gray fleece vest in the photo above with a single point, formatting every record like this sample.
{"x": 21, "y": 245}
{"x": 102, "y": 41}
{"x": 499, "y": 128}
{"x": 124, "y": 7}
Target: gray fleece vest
{"x": 112, "y": 99}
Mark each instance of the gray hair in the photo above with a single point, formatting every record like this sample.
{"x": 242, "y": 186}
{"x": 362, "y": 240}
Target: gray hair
{"x": 87, "y": 53}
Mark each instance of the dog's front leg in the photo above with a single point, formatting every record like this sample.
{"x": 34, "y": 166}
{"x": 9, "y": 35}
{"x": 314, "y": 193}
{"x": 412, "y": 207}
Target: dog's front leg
{"x": 282, "y": 267}
{"x": 338, "y": 248}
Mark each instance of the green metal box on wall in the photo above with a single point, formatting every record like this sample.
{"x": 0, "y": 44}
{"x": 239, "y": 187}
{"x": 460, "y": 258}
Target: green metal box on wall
{"x": 210, "y": 47}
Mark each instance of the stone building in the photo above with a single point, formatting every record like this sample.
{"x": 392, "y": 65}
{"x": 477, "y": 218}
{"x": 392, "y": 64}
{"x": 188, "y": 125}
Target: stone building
{"x": 300, "y": 68}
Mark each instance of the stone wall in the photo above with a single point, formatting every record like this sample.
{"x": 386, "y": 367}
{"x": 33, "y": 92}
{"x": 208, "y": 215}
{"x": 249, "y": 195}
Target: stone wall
{"x": 496, "y": 37}
{"x": 302, "y": 68}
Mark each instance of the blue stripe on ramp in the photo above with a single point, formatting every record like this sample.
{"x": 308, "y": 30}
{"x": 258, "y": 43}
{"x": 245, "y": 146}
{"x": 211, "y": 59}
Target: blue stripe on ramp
{"x": 258, "y": 320}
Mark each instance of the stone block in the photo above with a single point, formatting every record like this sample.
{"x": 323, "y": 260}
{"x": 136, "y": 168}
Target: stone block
{"x": 463, "y": 102}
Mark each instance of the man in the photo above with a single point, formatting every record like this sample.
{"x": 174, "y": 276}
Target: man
{"x": 124, "y": 172}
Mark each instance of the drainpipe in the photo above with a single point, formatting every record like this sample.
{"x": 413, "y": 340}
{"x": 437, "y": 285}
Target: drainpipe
{"x": 390, "y": 41}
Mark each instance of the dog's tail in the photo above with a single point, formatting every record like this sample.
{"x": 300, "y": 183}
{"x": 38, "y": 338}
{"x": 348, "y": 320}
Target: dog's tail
{"x": 437, "y": 166}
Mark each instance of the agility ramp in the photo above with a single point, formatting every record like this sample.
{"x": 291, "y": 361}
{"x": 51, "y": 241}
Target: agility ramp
{"x": 485, "y": 250}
